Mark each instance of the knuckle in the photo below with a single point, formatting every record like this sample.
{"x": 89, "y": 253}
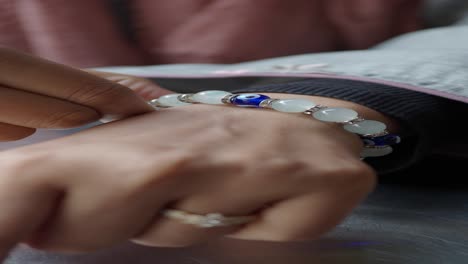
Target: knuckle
{"x": 241, "y": 167}
{"x": 289, "y": 165}
{"x": 237, "y": 163}
{"x": 23, "y": 168}
{"x": 296, "y": 169}
{"x": 16, "y": 164}
{"x": 360, "y": 174}
{"x": 349, "y": 173}
{"x": 71, "y": 118}
{"x": 260, "y": 168}
{"x": 368, "y": 177}
{"x": 156, "y": 172}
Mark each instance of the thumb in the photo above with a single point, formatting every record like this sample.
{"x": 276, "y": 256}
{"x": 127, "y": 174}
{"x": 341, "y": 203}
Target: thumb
{"x": 34, "y": 75}
{"x": 25, "y": 206}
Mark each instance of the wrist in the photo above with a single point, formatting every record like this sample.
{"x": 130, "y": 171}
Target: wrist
{"x": 374, "y": 134}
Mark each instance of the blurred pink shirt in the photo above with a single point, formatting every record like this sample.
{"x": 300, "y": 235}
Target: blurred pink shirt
{"x": 84, "y": 33}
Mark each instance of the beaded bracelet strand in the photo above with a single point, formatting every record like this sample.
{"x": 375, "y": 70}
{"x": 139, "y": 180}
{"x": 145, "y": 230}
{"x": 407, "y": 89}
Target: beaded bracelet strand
{"x": 374, "y": 135}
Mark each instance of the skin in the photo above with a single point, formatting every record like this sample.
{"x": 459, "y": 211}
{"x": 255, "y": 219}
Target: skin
{"x": 108, "y": 184}
{"x": 35, "y": 93}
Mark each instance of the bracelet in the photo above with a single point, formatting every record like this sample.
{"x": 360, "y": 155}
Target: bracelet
{"x": 376, "y": 139}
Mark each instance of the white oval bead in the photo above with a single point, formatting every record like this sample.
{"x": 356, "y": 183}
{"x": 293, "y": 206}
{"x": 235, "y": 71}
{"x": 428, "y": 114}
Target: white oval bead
{"x": 335, "y": 115}
{"x": 292, "y": 105}
{"x": 154, "y": 104}
{"x": 210, "y": 97}
{"x": 376, "y": 152}
{"x": 170, "y": 100}
{"x": 366, "y": 127}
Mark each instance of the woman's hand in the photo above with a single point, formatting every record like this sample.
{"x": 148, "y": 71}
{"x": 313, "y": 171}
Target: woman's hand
{"x": 299, "y": 176}
{"x": 35, "y": 93}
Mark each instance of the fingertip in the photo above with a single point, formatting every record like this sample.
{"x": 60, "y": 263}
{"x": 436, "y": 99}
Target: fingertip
{"x": 152, "y": 92}
{"x": 143, "y": 87}
{"x": 12, "y": 132}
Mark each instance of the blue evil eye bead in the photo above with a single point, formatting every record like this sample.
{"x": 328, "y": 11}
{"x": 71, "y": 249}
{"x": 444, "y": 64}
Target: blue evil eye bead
{"x": 387, "y": 140}
{"x": 248, "y": 100}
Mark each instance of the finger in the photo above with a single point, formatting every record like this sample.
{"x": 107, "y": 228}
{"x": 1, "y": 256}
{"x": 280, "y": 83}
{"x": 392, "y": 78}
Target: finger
{"x": 211, "y": 191}
{"x": 308, "y": 216}
{"x": 47, "y": 78}
{"x": 143, "y": 87}
{"x": 174, "y": 233}
{"x": 99, "y": 212}
{"x": 25, "y": 204}
{"x": 31, "y": 110}
{"x": 82, "y": 227}
{"x": 215, "y": 186}
{"x": 10, "y": 132}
